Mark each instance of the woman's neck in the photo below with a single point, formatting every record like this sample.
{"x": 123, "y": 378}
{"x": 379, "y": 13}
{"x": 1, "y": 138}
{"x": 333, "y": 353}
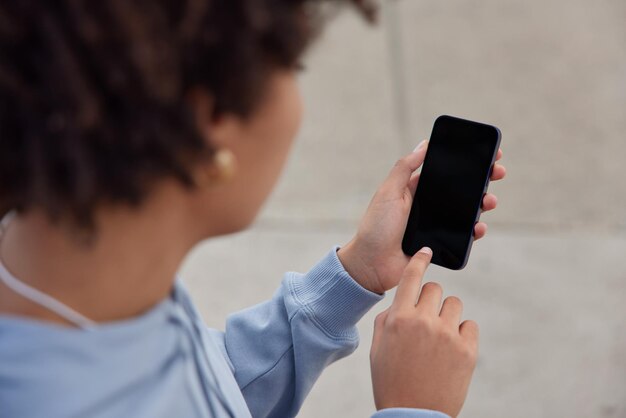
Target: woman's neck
{"x": 126, "y": 270}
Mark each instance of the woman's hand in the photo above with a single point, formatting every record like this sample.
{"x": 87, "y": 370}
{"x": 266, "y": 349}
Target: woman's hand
{"x": 374, "y": 257}
{"x": 421, "y": 357}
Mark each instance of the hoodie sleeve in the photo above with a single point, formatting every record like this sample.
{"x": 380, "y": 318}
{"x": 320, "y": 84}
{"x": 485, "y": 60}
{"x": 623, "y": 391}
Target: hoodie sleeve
{"x": 408, "y": 413}
{"x": 279, "y": 348}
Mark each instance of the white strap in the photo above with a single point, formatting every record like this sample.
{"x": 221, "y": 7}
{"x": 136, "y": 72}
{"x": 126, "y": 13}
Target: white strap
{"x": 38, "y": 296}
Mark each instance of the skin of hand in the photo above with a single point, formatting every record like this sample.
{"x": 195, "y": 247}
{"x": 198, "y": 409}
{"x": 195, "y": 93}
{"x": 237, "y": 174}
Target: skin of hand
{"x": 421, "y": 357}
{"x": 374, "y": 256}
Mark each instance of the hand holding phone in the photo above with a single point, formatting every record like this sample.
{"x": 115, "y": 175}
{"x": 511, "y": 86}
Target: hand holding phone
{"x": 454, "y": 178}
{"x": 374, "y": 256}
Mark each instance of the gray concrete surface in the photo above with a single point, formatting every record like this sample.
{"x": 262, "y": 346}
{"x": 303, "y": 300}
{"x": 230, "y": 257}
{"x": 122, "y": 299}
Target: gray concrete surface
{"x": 548, "y": 284}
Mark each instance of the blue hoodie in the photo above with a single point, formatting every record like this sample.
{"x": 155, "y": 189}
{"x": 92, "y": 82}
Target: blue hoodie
{"x": 168, "y": 364}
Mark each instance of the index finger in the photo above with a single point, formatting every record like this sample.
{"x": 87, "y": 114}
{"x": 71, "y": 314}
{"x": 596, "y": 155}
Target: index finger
{"x": 409, "y": 287}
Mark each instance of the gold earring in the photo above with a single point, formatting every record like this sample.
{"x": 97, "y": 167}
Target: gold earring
{"x": 221, "y": 168}
{"x": 224, "y": 161}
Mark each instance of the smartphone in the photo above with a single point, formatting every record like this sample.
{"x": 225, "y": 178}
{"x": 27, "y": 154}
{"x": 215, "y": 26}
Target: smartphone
{"x": 454, "y": 179}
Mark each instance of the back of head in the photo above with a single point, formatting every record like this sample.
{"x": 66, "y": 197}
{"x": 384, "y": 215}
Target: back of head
{"x": 93, "y": 103}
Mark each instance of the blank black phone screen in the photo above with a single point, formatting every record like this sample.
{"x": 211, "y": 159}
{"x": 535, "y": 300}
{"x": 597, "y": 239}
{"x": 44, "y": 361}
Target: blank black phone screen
{"x": 453, "y": 180}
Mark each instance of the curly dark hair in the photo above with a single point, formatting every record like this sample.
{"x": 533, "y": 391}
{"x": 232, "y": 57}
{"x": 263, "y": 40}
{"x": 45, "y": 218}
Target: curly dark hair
{"x": 92, "y": 93}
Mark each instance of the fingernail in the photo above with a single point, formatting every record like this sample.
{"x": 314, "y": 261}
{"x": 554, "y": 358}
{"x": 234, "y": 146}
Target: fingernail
{"x": 426, "y": 250}
{"x": 419, "y": 146}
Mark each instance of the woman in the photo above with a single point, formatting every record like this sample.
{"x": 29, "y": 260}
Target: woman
{"x": 131, "y": 131}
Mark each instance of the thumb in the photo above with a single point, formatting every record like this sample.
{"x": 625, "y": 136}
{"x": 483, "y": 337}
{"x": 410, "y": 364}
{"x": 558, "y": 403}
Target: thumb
{"x": 401, "y": 172}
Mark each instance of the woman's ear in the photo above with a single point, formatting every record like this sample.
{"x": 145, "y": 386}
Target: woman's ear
{"x": 219, "y": 130}
{"x": 220, "y": 133}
